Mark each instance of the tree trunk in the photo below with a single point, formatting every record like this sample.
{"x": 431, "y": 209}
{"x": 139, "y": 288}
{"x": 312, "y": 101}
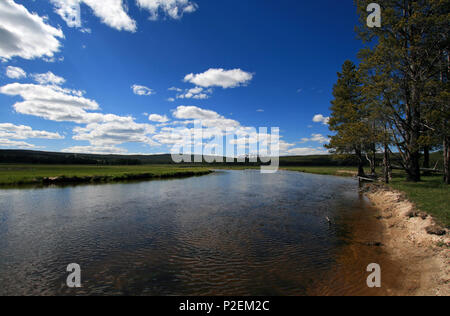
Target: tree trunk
{"x": 426, "y": 157}
{"x": 447, "y": 160}
{"x": 413, "y": 167}
{"x": 373, "y": 166}
{"x": 413, "y": 148}
{"x": 387, "y": 165}
{"x": 359, "y": 155}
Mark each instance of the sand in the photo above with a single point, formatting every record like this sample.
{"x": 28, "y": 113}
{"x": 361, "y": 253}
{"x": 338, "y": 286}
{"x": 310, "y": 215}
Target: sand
{"x": 424, "y": 258}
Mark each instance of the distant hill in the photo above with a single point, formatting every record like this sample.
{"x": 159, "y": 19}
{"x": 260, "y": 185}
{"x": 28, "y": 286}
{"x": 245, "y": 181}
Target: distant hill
{"x": 42, "y": 157}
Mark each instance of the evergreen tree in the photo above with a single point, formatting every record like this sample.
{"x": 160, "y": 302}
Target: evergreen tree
{"x": 404, "y": 55}
{"x": 349, "y": 116}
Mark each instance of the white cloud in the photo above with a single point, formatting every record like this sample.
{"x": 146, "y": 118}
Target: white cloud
{"x": 115, "y": 133}
{"x": 172, "y": 8}
{"x": 158, "y": 118}
{"x": 26, "y": 35}
{"x": 102, "y": 131}
{"x": 207, "y": 117}
{"x": 22, "y": 132}
{"x": 109, "y": 150}
{"x": 246, "y": 139}
{"x": 6, "y": 143}
{"x": 48, "y": 78}
{"x": 69, "y": 11}
{"x": 220, "y": 78}
{"x": 142, "y": 90}
{"x": 319, "y": 118}
{"x": 53, "y": 103}
{"x": 175, "y": 89}
{"x": 111, "y": 12}
{"x": 306, "y": 151}
{"x": 197, "y": 93}
{"x": 15, "y": 72}
{"x": 317, "y": 138}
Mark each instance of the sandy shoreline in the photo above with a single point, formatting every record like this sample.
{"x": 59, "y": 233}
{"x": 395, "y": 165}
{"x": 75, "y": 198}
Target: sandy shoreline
{"x": 424, "y": 258}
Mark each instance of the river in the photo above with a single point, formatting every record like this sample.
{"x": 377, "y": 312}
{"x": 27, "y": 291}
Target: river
{"x": 228, "y": 233}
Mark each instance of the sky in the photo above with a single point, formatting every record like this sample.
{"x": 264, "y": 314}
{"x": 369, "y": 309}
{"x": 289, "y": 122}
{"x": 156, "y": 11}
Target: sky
{"x": 131, "y": 76}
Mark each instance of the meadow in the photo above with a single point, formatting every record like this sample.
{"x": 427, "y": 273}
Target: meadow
{"x": 19, "y": 174}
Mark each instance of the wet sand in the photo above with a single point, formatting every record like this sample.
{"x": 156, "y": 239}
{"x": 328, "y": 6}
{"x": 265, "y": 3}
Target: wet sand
{"x": 413, "y": 263}
{"x": 365, "y": 246}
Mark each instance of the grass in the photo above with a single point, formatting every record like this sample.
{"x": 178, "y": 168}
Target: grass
{"x": 326, "y": 171}
{"x": 431, "y": 195}
{"x": 15, "y": 174}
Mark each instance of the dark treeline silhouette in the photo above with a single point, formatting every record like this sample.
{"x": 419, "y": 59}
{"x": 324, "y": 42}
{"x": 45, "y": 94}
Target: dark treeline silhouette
{"x": 53, "y": 158}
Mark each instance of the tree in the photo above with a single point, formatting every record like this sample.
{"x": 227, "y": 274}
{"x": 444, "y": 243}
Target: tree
{"x": 348, "y": 118}
{"x": 437, "y": 118}
{"x": 404, "y": 54}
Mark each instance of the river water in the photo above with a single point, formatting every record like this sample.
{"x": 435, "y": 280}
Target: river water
{"x": 228, "y": 233}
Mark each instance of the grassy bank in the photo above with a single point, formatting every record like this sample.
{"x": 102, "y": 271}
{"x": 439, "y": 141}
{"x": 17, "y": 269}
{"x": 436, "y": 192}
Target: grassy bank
{"x": 326, "y": 171}
{"x": 431, "y": 195}
{"x": 14, "y": 174}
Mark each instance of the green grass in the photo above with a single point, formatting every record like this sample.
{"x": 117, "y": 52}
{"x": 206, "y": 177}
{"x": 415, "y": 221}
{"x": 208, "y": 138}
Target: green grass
{"x": 15, "y": 174}
{"x": 326, "y": 171}
{"x": 431, "y": 196}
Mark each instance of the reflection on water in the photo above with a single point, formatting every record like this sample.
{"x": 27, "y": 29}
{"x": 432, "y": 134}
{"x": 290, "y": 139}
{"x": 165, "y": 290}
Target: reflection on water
{"x": 229, "y": 233}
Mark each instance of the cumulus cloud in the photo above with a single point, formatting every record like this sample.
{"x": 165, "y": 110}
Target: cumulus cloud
{"x": 158, "y": 118}
{"x": 174, "y": 9}
{"x": 48, "y": 78}
{"x": 22, "y": 132}
{"x": 208, "y": 118}
{"x": 111, "y": 12}
{"x": 317, "y": 138}
{"x": 6, "y": 143}
{"x": 53, "y": 103}
{"x": 175, "y": 89}
{"x": 246, "y": 139}
{"x": 103, "y": 131}
{"x": 15, "y": 72}
{"x": 220, "y": 78}
{"x": 319, "y": 118}
{"x": 115, "y": 133}
{"x": 197, "y": 93}
{"x": 142, "y": 90}
{"x": 69, "y": 11}
{"x": 306, "y": 151}
{"x": 26, "y": 35}
{"x": 111, "y": 150}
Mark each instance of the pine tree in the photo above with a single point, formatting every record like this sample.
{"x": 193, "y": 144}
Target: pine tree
{"x": 404, "y": 55}
{"x": 349, "y": 116}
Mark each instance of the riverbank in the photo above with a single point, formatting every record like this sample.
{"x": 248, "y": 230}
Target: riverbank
{"x": 414, "y": 239}
{"x": 12, "y": 174}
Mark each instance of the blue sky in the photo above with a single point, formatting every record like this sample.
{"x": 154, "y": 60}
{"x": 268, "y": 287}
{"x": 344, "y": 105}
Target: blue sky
{"x": 252, "y": 63}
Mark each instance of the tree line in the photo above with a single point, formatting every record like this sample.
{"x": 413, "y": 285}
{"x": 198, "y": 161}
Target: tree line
{"x": 397, "y": 99}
